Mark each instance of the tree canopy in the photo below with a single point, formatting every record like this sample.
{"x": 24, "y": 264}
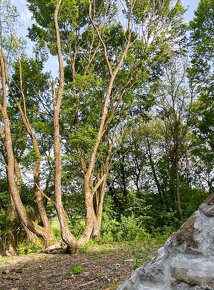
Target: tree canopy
{"x": 123, "y": 134}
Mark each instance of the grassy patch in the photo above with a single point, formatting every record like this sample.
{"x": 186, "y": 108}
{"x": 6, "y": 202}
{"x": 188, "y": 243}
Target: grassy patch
{"x": 77, "y": 270}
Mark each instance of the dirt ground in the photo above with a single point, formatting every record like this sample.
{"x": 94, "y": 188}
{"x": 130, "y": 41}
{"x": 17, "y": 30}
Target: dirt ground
{"x": 99, "y": 269}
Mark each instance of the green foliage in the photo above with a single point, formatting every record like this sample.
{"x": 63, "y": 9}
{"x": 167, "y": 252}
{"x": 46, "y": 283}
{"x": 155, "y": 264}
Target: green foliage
{"x": 110, "y": 228}
{"x": 131, "y": 230}
{"x": 91, "y": 244}
{"x": 191, "y": 199}
{"x": 147, "y": 218}
{"x": 139, "y": 205}
{"x": 202, "y": 34}
{"x": 74, "y": 207}
{"x": 26, "y": 248}
{"x": 201, "y": 77}
{"x": 77, "y": 270}
{"x": 117, "y": 227}
{"x": 150, "y": 220}
{"x": 8, "y": 21}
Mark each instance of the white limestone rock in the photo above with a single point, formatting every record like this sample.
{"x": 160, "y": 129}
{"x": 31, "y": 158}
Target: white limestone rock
{"x": 186, "y": 262}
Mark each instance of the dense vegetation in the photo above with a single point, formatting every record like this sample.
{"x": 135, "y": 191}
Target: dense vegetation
{"x": 119, "y": 146}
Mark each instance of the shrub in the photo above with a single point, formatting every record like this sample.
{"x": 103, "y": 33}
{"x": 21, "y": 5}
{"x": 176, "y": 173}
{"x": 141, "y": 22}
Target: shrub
{"x": 131, "y": 230}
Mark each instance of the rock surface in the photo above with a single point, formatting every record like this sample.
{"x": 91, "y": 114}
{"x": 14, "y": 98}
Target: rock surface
{"x": 186, "y": 262}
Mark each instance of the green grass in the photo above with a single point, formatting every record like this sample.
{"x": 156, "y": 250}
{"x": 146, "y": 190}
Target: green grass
{"x": 77, "y": 270}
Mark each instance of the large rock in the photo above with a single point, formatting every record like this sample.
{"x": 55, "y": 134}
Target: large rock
{"x": 186, "y": 262}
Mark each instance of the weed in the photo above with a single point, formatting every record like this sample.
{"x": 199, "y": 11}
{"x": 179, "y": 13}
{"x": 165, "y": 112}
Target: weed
{"x": 77, "y": 270}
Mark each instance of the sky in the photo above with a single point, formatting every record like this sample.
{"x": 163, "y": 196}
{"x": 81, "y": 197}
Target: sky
{"x": 26, "y": 21}
{"x": 191, "y": 5}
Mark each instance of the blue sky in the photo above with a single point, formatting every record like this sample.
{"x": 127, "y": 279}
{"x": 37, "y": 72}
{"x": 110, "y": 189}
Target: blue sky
{"x": 191, "y": 5}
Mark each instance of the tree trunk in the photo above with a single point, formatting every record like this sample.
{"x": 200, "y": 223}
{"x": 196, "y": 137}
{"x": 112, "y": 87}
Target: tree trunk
{"x": 10, "y": 244}
{"x": 176, "y": 182}
{"x": 177, "y": 188}
{"x": 36, "y": 168}
{"x": 21, "y": 210}
{"x": 99, "y": 210}
{"x": 33, "y": 238}
{"x": 67, "y": 237}
{"x": 123, "y": 171}
{"x": 160, "y": 192}
{"x": 91, "y": 220}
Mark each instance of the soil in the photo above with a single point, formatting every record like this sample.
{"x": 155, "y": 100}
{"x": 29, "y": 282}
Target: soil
{"x": 95, "y": 269}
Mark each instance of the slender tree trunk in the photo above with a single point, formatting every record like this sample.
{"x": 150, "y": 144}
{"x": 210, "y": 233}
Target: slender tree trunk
{"x": 176, "y": 181}
{"x": 123, "y": 171}
{"x": 21, "y": 210}
{"x": 67, "y": 237}
{"x": 177, "y": 187}
{"x": 100, "y": 194}
{"x": 91, "y": 220}
{"x": 10, "y": 243}
{"x": 99, "y": 208}
{"x": 36, "y": 169}
{"x": 153, "y": 167}
{"x": 175, "y": 166}
{"x": 33, "y": 238}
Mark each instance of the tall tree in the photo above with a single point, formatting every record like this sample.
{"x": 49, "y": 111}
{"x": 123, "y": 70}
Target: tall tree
{"x": 202, "y": 77}
{"x": 175, "y": 102}
{"x": 108, "y": 59}
{"x": 9, "y": 44}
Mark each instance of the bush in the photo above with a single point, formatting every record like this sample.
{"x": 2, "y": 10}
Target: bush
{"x": 127, "y": 229}
{"x": 110, "y": 228}
{"x": 191, "y": 198}
{"x": 131, "y": 230}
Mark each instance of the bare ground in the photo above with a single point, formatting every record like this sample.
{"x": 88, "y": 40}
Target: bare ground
{"x": 102, "y": 268}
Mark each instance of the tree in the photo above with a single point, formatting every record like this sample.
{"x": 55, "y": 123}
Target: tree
{"x": 27, "y": 110}
{"x": 201, "y": 77}
{"x": 111, "y": 90}
{"x": 175, "y": 103}
{"x": 12, "y": 163}
{"x": 164, "y": 140}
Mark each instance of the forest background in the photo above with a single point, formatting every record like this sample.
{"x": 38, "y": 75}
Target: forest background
{"x": 119, "y": 146}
